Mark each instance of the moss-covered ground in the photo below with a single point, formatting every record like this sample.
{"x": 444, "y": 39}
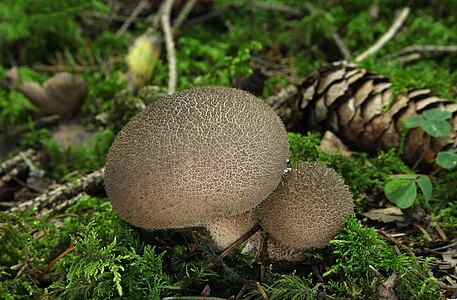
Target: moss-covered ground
{"x": 86, "y": 251}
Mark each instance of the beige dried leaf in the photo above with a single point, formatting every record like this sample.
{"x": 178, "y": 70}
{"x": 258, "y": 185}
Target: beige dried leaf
{"x": 59, "y": 95}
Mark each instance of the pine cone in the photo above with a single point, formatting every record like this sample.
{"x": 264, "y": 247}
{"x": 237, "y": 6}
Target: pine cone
{"x": 351, "y": 102}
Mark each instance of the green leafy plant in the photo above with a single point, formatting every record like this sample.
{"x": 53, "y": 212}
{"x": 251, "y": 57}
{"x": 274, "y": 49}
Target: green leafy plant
{"x": 447, "y": 159}
{"x": 435, "y": 122}
{"x": 402, "y": 189}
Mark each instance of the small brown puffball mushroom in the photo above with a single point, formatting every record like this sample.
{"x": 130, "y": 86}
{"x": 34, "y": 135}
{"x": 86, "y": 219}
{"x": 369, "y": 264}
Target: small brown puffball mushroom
{"x": 307, "y": 210}
{"x": 195, "y": 157}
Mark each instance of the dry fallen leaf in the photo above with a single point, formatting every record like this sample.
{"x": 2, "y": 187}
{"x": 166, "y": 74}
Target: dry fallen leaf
{"x": 386, "y": 215}
{"x": 59, "y": 95}
{"x": 385, "y": 290}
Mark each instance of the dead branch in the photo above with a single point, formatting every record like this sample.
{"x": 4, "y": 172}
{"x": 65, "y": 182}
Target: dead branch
{"x": 34, "y": 171}
{"x": 10, "y": 175}
{"x": 419, "y": 49}
{"x": 193, "y": 298}
{"x": 60, "y": 206}
{"x": 344, "y": 50}
{"x": 280, "y": 98}
{"x": 262, "y": 291}
{"x": 65, "y": 191}
{"x": 183, "y": 14}
{"x": 170, "y": 46}
{"x": 15, "y": 160}
{"x": 293, "y": 11}
{"x": 386, "y": 37}
{"x": 135, "y": 13}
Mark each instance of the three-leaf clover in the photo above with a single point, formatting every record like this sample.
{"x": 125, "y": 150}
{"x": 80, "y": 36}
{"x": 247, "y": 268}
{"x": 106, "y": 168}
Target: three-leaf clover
{"x": 402, "y": 189}
{"x": 434, "y": 122}
{"x": 447, "y": 159}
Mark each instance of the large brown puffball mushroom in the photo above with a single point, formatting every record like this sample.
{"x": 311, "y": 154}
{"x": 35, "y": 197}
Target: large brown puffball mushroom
{"x": 196, "y": 157}
{"x": 307, "y": 210}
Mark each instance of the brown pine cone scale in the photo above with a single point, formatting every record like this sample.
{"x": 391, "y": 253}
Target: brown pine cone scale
{"x": 354, "y": 104}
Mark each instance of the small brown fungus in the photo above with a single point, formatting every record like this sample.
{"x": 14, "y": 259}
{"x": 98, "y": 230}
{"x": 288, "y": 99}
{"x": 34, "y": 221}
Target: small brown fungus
{"x": 307, "y": 210}
{"x": 195, "y": 158}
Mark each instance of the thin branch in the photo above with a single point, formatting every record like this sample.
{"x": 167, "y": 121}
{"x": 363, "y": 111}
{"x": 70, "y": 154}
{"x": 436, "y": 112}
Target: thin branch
{"x": 282, "y": 97}
{"x": 396, "y": 25}
{"x": 55, "y": 260}
{"x": 183, "y": 14}
{"x": 294, "y": 11}
{"x": 193, "y": 298}
{"x": 422, "y": 49}
{"x": 135, "y": 13}
{"x": 262, "y": 291}
{"x": 236, "y": 244}
{"x": 52, "y": 198}
{"x": 15, "y": 160}
{"x": 34, "y": 171}
{"x": 344, "y": 50}
{"x": 170, "y": 46}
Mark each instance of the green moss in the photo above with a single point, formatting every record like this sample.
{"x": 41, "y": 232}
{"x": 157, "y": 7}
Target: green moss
{"x": 362, "y": 173}
{"x": 356, "y": 249}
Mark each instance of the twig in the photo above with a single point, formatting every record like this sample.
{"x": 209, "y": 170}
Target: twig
{"x": 15, "y": 160}
{"x": 169, "y": 44}
{"x": 445, "y": 247}
{"x": 240, "y": 241}
{"x": 10, "y": 175}
{"x": 242, "y": 291}
{"x": 262, "y": 291}
{"x": 294, "y": 11}
{"x": 421, "y": 49}
{"x": 193, "y": 298}
{"x": 424, "y": 232}
{"x": 236, "y": 244}
{"x": 49, "y": 266}
{"x": 183, "y": 14}
{"x": 59, "y": 206}
{"x": 138, "y": 9}
{"x": 34, "y": 171}
{"x": 398, "y": 22}
{"x": 64, "y": 191}
{"x": 344, "y": 50}
{"x": 440, "y": 231}
{"x": 280, "y": 98}
{"x": 440, "y": 284}
{"x": 203, "y": 18}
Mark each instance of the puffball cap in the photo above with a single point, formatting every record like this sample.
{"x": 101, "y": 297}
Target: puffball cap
{"x": 308, "y": 208}
{"x": 196, "y": 156}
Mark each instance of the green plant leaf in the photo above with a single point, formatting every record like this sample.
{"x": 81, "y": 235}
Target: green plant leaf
{"x": 425, "y": 184}
{"x": 414, "y": 121}
{"x": 403, "y": 176}
{"x": 436, "y": 128}
{"x": 401, "y": 192}
{"x": 446, "y": 159}
{"x": 437, "y": 114}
